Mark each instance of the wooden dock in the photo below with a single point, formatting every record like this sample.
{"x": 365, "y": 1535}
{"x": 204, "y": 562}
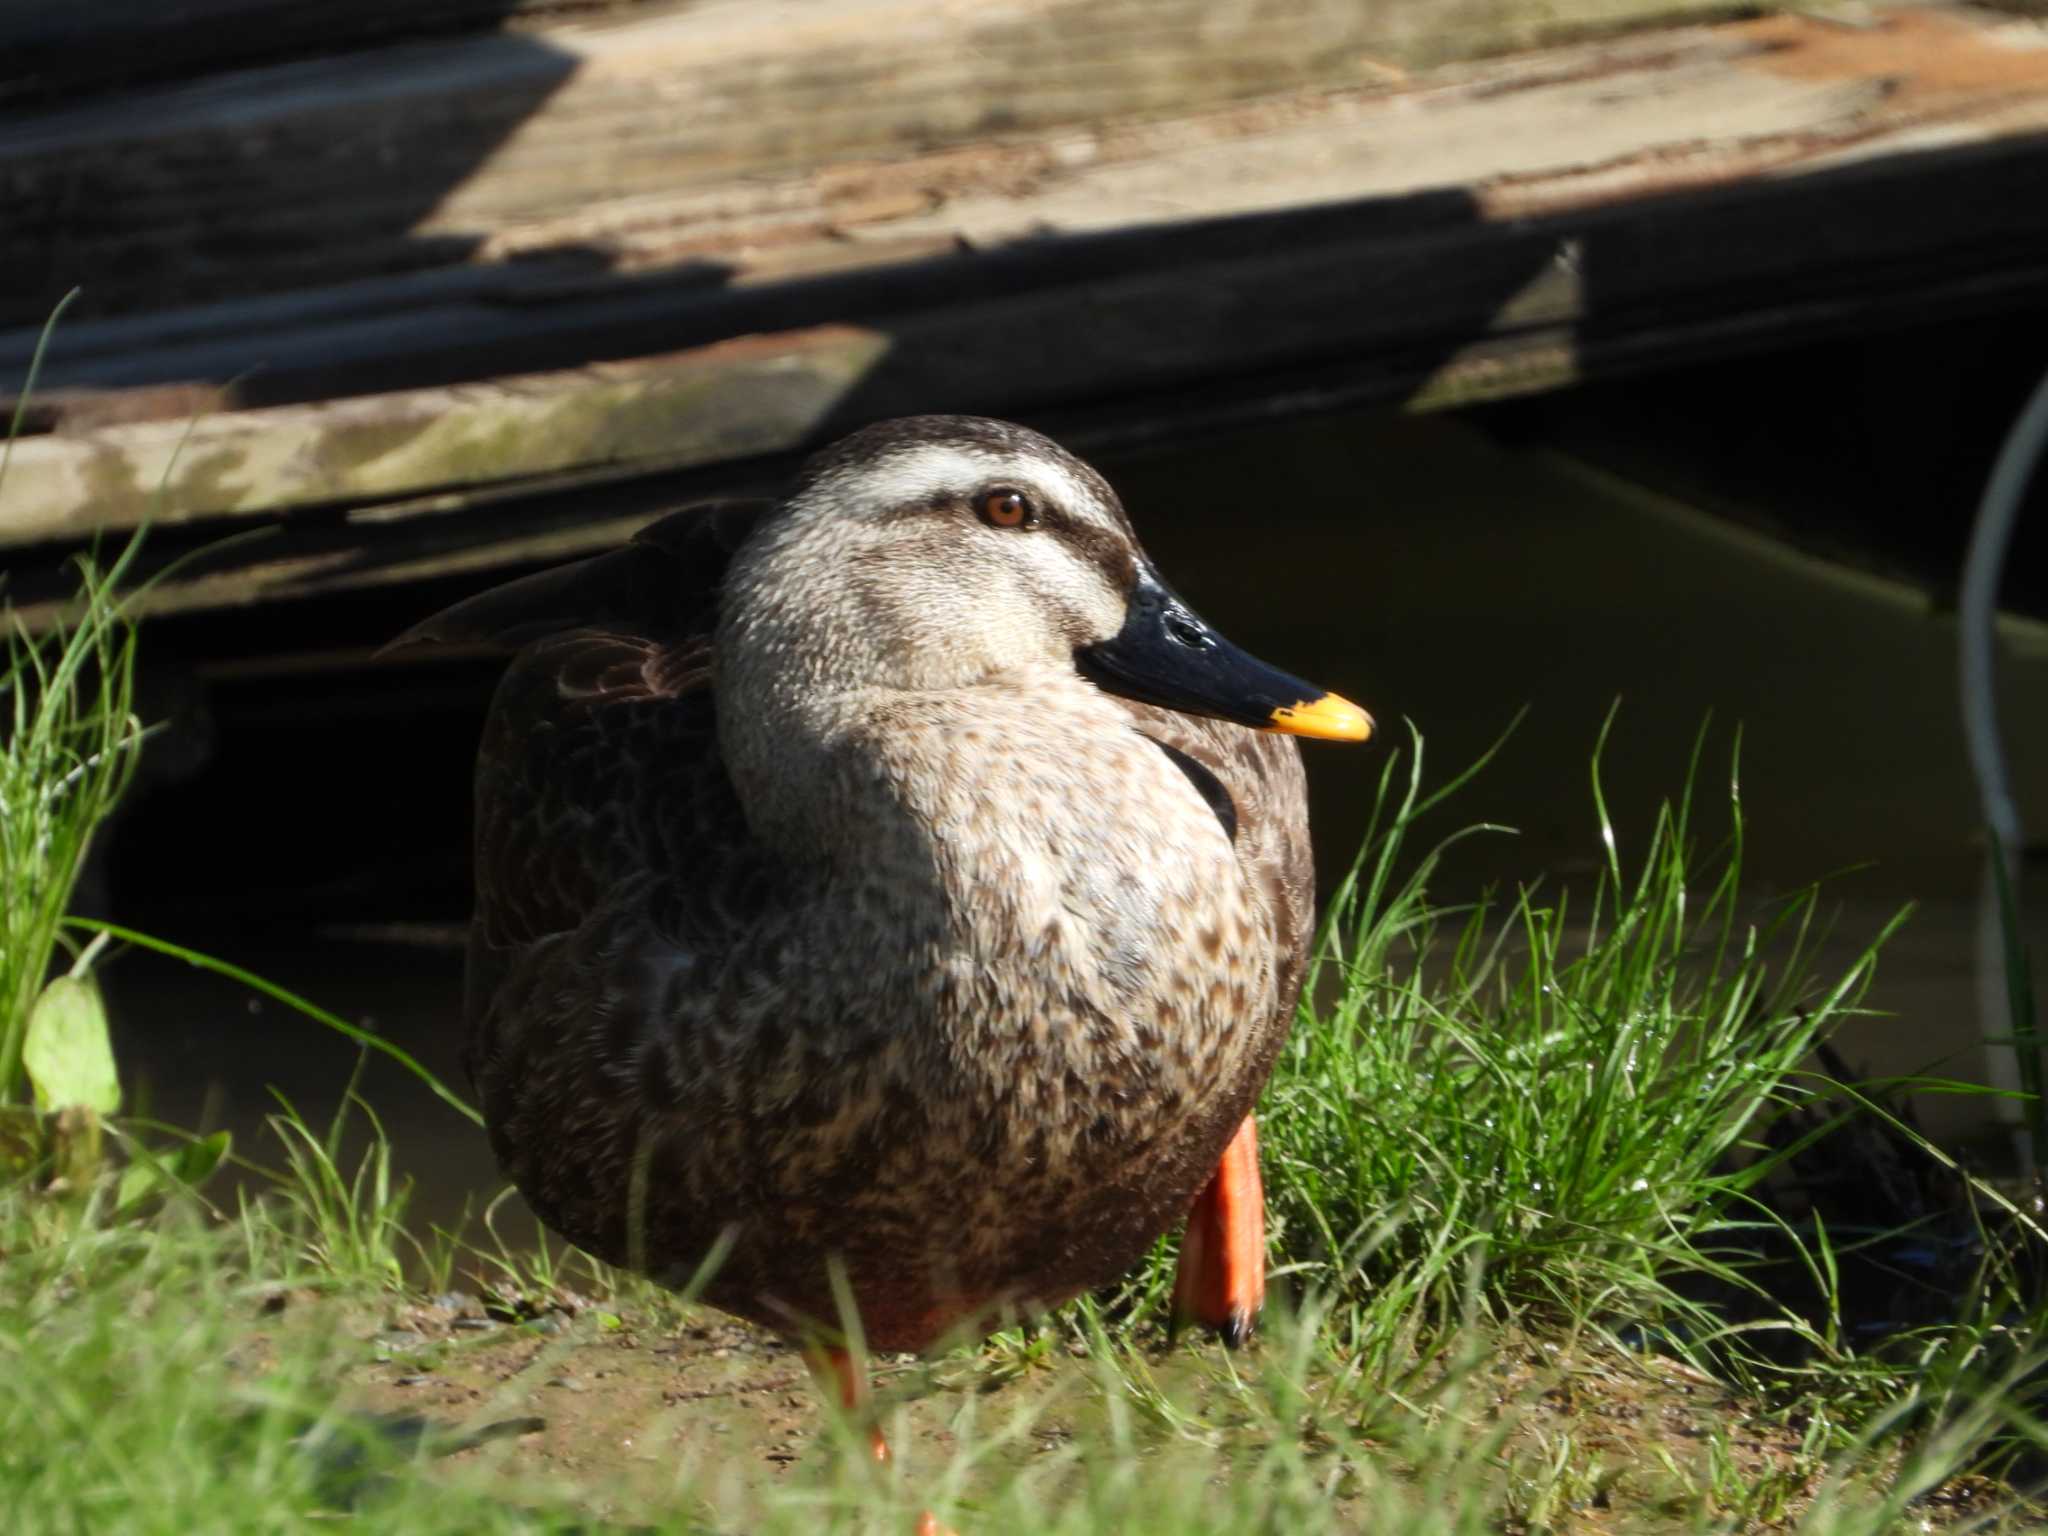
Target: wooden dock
{"x": 427, "y": 303}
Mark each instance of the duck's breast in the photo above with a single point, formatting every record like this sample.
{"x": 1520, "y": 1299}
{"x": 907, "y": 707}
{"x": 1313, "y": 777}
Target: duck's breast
{"x": 1106, "y": 966}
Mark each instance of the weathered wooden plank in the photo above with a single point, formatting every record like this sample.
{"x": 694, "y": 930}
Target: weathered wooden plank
{"x": 1696, "y": 107}
{"x": 415, "y": 156}
{"x": 728, "y": 400}
{"x": 499, "y": 526}
{"x": 1483, "y": 311}
{"x": 1706, "y": 192}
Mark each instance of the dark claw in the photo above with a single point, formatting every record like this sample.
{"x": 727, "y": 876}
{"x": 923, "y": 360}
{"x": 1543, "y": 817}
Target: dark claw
{"x": 1236, "y": 1330}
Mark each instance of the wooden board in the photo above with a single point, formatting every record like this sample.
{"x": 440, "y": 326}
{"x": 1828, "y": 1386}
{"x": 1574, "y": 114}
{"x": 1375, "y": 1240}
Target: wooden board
{"x": 1473, "y": 231}
{"x": 52, "y": 52}
{"x": 418, "y": 156}
{"x": 729, "y": 400}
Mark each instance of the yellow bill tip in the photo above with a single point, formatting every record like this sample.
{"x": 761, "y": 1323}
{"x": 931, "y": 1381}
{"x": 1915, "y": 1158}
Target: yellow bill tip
{"x": 1329, "y": 718}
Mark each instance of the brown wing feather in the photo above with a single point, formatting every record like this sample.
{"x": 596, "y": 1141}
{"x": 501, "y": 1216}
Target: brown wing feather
{"x": 599, "y": 767}
{"x": 663, "y": 586}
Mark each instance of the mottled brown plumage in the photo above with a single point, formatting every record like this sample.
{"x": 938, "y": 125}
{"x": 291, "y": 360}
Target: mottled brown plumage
{"x": 827, "y": 913}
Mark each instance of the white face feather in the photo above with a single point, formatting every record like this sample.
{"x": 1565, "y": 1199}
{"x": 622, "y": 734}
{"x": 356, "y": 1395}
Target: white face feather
{"x": 881, "y": 574}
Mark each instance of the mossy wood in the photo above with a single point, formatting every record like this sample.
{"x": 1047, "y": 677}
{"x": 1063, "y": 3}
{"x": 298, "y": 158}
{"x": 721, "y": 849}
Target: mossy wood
{"x": 641, "y": 286}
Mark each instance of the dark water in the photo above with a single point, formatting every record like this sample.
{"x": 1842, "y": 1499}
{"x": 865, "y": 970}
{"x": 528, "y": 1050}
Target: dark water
{"x": 1414, "y": 564}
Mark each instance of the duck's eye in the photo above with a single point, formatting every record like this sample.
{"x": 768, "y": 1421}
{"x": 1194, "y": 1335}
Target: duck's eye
{"x": 1005, "y": 508}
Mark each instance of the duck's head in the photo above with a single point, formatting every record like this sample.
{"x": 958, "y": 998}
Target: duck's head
{"x": 948, "y": 551}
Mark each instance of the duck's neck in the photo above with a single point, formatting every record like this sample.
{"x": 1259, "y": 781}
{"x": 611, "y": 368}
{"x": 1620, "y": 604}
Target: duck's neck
{"x": 798, "y": 732}
{"x": 821, "y": 683}
{"x": 810, "y": 793}
{"x": 863, "y": 775}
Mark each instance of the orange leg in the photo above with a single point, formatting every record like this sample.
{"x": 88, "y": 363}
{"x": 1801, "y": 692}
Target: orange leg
{"x": 839, "y": 1372}
{"x": 847, "y": 1379}
{"x": 1221, "y": 1282}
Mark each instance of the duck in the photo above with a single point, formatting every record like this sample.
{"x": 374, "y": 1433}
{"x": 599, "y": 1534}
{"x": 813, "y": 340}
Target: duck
{"x": 891, "y": 899}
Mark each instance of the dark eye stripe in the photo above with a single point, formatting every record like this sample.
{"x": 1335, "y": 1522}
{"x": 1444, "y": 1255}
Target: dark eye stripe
{"x": 1100, "y": 547}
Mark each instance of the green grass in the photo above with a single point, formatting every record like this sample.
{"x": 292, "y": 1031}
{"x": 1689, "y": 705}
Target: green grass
{"x": 148, "y": 1383}
{"x": 68, "y": 743}
{"x": 1562, "y": 1094}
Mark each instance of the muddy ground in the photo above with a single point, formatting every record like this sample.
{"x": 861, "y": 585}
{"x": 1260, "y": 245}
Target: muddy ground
{"x": 668, "y": 1416}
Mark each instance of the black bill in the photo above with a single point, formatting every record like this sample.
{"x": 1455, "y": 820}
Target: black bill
{"x": 1166, "y": 655}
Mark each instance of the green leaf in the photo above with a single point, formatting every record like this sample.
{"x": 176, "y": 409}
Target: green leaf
{"x": 187, "y": 1168}
{"x": 196, "y": 1160}
{"x": 67, "y": 1052}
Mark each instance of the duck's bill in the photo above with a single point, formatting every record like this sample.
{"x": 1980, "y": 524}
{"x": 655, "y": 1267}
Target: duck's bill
{"x": 1166, "y": 655}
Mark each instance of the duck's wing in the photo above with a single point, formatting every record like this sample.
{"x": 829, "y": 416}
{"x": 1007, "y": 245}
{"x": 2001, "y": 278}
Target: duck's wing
{"x": 663, "y": 586}
{"x": 1254, "y": 783}
{"x": 599, "y": 775}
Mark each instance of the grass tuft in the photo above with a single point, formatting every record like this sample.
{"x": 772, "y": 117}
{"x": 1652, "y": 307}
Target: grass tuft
{"x": 1543, "y": 1106}
{"x": 69, "y": 745}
